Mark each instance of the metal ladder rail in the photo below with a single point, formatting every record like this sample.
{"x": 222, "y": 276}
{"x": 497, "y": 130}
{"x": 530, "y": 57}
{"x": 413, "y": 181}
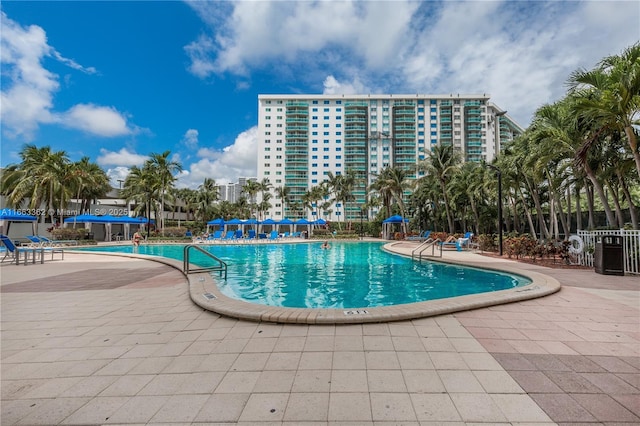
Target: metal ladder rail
{"x": 424, "y": 246}
{"x": 186, "y": 266}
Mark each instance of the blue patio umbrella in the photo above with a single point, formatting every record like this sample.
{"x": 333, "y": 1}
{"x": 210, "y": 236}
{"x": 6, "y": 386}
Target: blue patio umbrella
{"x": 250, "y": 222}
{"x": 269, "y": 222}
{"x": 16, "y": 216}
{"x": 287, "y": 222}
{"x": 9, "y": 215}
{"x": 215, "y": 222}
{"x": 388, "y": 222}
{"x": 234, "y": 221}
{"x": 303, "y": 222}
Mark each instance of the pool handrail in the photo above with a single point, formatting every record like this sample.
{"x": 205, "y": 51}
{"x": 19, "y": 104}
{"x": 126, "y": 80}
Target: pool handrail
{"x": 186, "y": 266}
{"x": 429, "y": 242}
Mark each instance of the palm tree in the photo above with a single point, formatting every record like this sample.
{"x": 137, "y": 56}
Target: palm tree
{"x": 251, "y": 189}
{"x": 90, "y": 182}
{"x": 165, "y": 170}
{"x": 142, "y": 186}
{"x": 442, "y": 162}
{"x": 265, "y": 196}
{"x": 38, "y": 178}
{"x": 609, "y": 95}
{"x": 282, "y": 192}
{"x": 391, "y": 184}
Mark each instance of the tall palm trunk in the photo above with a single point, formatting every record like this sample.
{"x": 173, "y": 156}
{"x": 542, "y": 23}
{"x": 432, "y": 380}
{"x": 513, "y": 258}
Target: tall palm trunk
{"x": 633, "y": 143}
{"x": 590, "y": 203}
{"x": 446, "y": 206}
{"x": 627, "y": 195}
{"x": 600, "y": 191}
{"x": 527, "y": 212}
{"x": 578, "y": 209}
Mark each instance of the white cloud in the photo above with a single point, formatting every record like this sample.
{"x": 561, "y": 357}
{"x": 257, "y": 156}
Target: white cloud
{"x": 120, "y": 158}
{"x": 117, "y": 175}
{"x": 28, "y": 99}
{"x": 28, "y": 93}
{"x": 334, "y": 87}
{"x": 98, "y": 120}
{"x": 226, "y": 165}
{"x": 190, "y": 138}
{"x": 521, "y": 53}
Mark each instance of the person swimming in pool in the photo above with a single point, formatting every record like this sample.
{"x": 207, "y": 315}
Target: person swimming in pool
{"x": 325, "y": 245}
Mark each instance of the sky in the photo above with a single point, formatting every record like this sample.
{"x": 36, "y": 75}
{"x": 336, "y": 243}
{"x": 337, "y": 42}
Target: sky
{"x": 118, "y": 80}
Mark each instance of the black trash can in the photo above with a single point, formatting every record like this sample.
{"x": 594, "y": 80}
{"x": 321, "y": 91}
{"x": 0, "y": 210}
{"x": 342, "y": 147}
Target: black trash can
{"x": 608, "y": 256}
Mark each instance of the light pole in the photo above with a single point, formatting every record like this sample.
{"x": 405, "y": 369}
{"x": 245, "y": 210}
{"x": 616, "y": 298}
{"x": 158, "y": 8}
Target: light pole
{"x": 499, "y": 174}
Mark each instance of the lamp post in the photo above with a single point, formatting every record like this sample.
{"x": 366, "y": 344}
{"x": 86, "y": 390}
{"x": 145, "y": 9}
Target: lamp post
{"x": 499, "y": 174}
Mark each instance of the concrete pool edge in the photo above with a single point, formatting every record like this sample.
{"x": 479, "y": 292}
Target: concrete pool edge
{"x": 204, "y": 292}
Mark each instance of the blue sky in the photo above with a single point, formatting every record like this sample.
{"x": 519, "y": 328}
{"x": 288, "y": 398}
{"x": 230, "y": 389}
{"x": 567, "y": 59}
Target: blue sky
{"x": 116, "y": 81}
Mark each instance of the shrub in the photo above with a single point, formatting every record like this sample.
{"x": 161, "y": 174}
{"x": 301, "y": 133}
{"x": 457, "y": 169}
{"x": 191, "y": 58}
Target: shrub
{"x": 175, "y": 231}
{"x": 69, "y": 233}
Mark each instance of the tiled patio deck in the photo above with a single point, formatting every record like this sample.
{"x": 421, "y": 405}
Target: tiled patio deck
{"x": 88, "y": 341}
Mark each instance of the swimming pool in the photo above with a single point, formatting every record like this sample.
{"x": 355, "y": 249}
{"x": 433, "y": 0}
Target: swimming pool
{"x": 348, "y": 275}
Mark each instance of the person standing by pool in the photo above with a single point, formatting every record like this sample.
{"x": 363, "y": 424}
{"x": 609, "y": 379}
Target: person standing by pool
{"x": 136, "y": 239}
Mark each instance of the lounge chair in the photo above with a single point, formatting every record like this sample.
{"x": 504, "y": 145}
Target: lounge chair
{"x": 296, "y": 234}
{"x": 274, "y": 235}
{"x": 230, "y": 235}
{"x": 239, "y": 235}
{"x": 465, "y": 242}
{"x": 216, "y": 236}
{"x": 251, "y": 235}
{"x": 422, "y": 236}
{"x": 262, "y": 236}
{"x": 14, "y": 253}
{"x": 450, "y": 243}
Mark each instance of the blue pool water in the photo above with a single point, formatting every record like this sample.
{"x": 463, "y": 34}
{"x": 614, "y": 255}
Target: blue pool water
{"x": 348, "y": 275}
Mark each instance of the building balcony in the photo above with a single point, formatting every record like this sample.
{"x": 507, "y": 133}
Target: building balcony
{"x": 474, "y": 127}
{"x": 404, "y": 102}
{"x": 445, "y": 119}
{"x": 474, "y": 120}
{"x": 356, "y": 104}
{"x": 404, "y": 111}
{"x": 446, "y": 103}
{"x": 297, "y": 104}
{"x": 405, "y": 119}
{"x": 472, "y": 103}
{"x": 404, "y": 128}
{"x": 297, "y": 120}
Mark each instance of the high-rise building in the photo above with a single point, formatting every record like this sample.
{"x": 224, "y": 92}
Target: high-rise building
{"x": 303, "y": 139}
{"x": 232, "y": 192}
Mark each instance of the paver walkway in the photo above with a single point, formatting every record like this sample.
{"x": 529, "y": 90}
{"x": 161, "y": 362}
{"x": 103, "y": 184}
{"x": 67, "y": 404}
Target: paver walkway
{"x": 98, "y": 348}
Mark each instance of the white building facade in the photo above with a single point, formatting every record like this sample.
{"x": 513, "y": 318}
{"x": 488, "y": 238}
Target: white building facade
{"x": 303, "y": 138}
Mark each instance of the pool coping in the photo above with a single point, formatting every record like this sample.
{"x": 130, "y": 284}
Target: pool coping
{"x": 204, "y": 292}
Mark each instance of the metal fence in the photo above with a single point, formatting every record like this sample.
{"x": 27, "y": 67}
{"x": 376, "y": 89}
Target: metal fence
{"x": 630, "y": 243}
